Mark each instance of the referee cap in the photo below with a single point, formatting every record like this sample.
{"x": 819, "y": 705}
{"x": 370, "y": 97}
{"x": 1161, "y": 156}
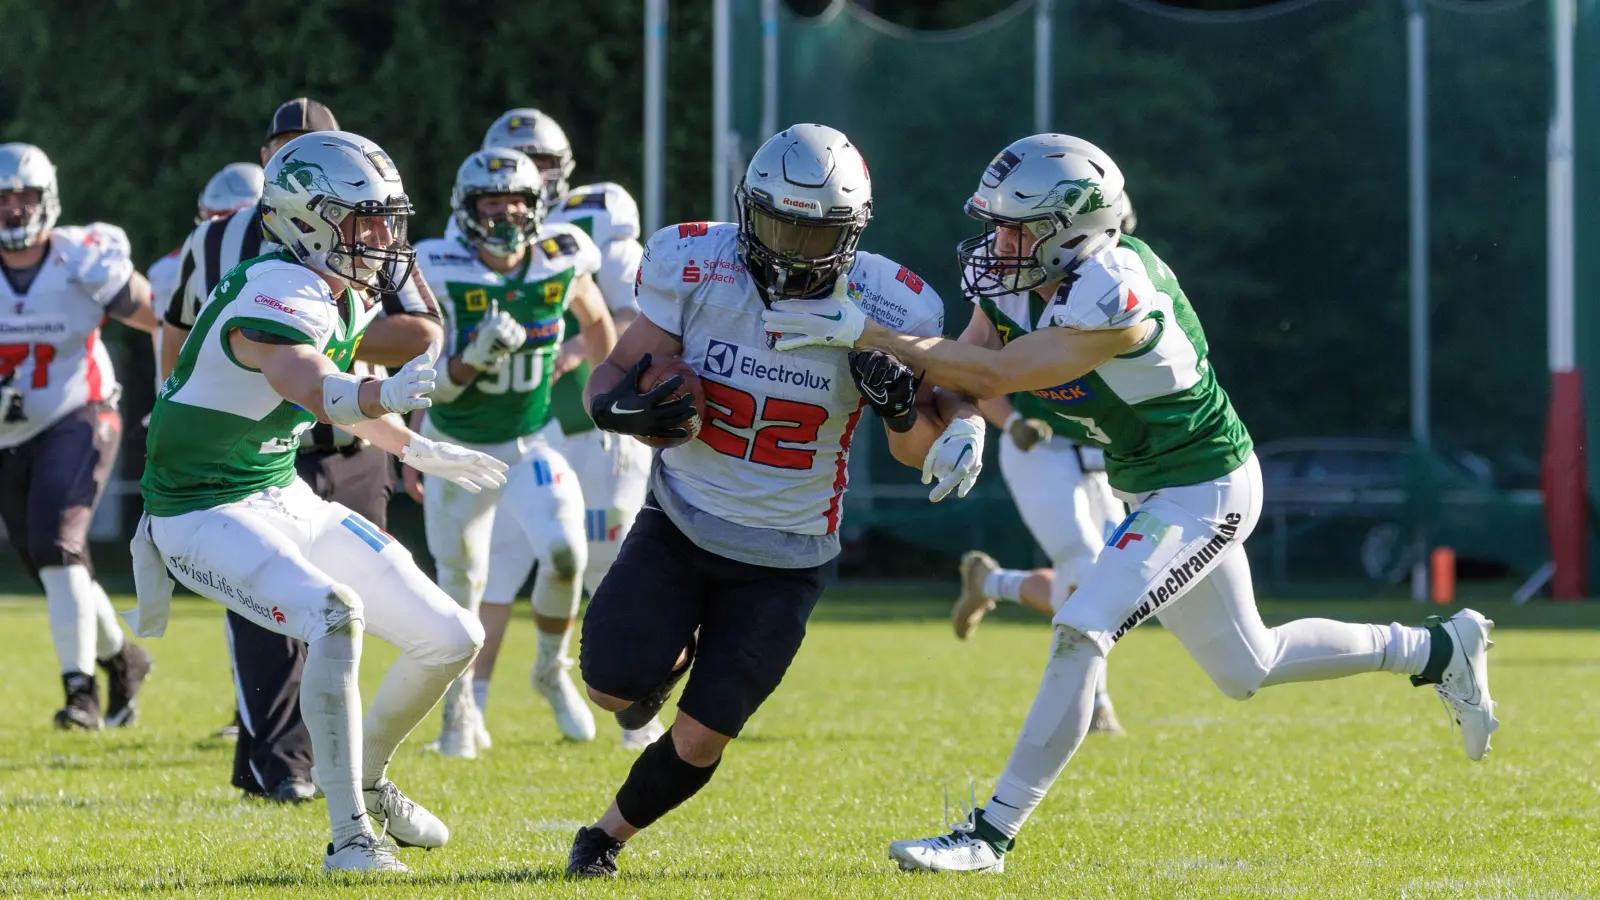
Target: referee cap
{"x": 301, "y": 114}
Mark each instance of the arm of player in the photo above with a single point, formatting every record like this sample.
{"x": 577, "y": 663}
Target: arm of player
{"x": 131, "y": 305}
{"x": 393, "y": 340}
{"x": 297, "y": 372}
{"x": 612, "y": 395}
{"x": 595, "y": 326}
{"x": 911, "y": 446}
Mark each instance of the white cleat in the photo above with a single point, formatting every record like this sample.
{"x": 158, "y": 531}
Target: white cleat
{"x": 1464, "y": 686}
{"x": 637, "y": 739}
{"x": 363, "y": 853}
{"x": 404, "y": 820}
{"x": 1105, "y": 721}
{"x": 957, "y": 851}
{"x": 973, "y": 604}
{"x": 572, "y": 713}
{"x": 458, "y": 736}
{"x": 480, "y": 729}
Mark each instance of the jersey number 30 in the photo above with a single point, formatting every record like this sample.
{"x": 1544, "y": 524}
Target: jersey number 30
{"x": 782, "y": 422}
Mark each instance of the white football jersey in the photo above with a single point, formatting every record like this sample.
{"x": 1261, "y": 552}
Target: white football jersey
{"x": 607, "y": 213}
{"x": 50, "y": 347}
{"x": 773, "y": 451}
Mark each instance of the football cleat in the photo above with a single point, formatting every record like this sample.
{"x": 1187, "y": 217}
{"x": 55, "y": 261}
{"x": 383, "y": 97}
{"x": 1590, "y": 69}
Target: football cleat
{"x": 125, "y": 674}
{"x": 1464, "y": 683}
{"x": 593, "y": 854}
{"x": 82, "y": 709}
{"x": 362, "y": 853}
{"x": 640, "y": 738}
{"x": 964, "y": 849}
{"x": 1105, "y": 721}
{"x": 973, "y": 604}
{"x": 572, "y": 713}
{"x": 458, "y": 728}
{"x": 403, "y": 819}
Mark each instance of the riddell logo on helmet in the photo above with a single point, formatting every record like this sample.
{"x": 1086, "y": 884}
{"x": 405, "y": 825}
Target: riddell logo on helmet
{"x": 811, "y": 205}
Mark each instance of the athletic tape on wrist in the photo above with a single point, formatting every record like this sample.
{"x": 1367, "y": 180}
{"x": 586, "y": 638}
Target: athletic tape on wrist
{"x": 341, "y": 399}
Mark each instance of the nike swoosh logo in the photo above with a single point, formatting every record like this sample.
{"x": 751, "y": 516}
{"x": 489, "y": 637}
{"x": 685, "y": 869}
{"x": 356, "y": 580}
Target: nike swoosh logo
{"x": 876, "y": 396}
{"x": 617, "y": 410}
{"x": 833, "y": 318}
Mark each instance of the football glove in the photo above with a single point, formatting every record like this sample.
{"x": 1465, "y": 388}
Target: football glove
{"x": 955, "y": 459}
{"x": 1028, "y": 433}
{"x": 408, "y": 388}
{"x": 835, "y": 322}
{"x": 624, "y": 410}
{"x": 470, "y": 469}
{"x": 497, "y": 337}
{"x": 889, "y": 386}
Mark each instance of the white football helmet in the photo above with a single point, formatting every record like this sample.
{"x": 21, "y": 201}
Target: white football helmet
{"x": 235, "y": 187}
{"x": 500, "y": 170}
{"x": 1064, "y": 191}
{"x": 538, "y": 136}
{"x": 335, "y": 200}
{"x": 803, "y": 202}
{"x": 24, "y": 167}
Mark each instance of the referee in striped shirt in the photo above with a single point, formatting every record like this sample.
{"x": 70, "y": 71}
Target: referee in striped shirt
{"x": 273, "y": 755}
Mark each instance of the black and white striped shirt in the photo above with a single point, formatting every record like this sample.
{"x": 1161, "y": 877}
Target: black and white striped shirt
{"x": 215, "y": 247}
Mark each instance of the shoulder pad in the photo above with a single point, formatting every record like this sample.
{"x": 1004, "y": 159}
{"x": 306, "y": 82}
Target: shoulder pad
{"x": 1108, "y": 290}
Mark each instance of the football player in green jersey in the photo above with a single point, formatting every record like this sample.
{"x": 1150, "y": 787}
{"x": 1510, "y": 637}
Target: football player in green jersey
{"x": 506, "y": 282}
{"x": 1093, "y": 326}
{"x": 226, "y": 514}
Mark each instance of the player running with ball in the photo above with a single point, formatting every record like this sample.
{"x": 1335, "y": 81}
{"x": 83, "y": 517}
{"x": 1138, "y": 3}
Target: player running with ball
{"x": 1117, "y": 346}
{"x": 226, "y": 514}
{"x": 725, "y": 562}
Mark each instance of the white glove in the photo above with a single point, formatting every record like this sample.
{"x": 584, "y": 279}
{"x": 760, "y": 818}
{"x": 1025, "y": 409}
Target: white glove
{"x": 834, "y": 322}
{"x": 498, "y": 336}
{"x": 408, "y": 388}
{"x": 955, "y": 458}
{"x": 468, "y": 468}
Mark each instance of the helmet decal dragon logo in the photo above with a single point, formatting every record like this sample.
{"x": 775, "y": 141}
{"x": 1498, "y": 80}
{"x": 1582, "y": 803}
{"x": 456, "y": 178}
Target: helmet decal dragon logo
{"x": 297, "y": 176}
{"x": 1075, "y": 197}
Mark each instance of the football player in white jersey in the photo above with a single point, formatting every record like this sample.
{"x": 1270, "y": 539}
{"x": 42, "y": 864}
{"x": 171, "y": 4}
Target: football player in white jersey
{"x": 506, "y": 284}
{"x": 725, "y": 562}
{"x": 611, "y": 471}
{"x": 59, "y": 426}
{"x": 1092, "y": 323}
{"x": 234, "y": 187}
{"x": 226, "y": 513}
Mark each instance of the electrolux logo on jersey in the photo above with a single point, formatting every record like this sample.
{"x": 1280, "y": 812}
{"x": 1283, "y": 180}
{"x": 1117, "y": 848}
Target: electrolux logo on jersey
{"x": 724, "y": 359}
{"x": 1181, "y": 575}
{"x": 30, "y": 328}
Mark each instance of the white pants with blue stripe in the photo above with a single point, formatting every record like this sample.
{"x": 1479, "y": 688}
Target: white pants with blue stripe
{"x": 484, "y": 545}
{"x": 274, "y": 557}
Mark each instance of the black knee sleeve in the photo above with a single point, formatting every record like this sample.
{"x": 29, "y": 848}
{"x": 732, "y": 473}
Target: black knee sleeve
{"x": 658, "y": 782}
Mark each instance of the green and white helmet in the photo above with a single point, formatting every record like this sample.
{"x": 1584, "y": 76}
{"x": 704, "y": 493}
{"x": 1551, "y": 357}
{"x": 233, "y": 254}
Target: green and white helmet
{"x": 1063, "y": 191}
{"x": 24, "y": 167}
{"x": 500, "y": 170}
{"x": 538, "y": 136}
{"x": 335, "y": 200}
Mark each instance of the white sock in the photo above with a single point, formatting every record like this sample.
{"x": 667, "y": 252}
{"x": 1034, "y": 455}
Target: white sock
{"x": 330, "y": 703}
{"x": 1055, "y": 726}
{"x": 480, "y": 692}
{"x": 1408, "y": 649}
{"x": 552, "y": 649}
{"x": 69, "y": 594}
{"x": 407, "y": 694}
{"x": 1005, "y": 584}
{"x": 1102, "y": 697}
{"x": 108, "y": 630}
{"x": 1320, "y": 649}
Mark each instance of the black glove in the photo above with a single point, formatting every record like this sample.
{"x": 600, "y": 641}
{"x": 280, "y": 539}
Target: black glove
{"x": 624, "y": 410}
{"x": 889, "y": 386}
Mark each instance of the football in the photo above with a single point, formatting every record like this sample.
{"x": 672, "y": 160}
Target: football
{"x": 660, "y": 370}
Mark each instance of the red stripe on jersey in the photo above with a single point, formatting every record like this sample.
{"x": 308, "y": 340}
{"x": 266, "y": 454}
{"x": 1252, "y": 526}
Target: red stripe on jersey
{"x": 841, "y": 476}
{"x": 96, "y": 389}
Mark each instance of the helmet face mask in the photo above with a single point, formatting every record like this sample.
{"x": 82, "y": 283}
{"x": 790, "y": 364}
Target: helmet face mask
{"x": 1005, "y": 258}
{"x": 335, "y": 200}
{"x": 804, "y": 201}
{"x": 29, "y": 178}
{"x": 509, "y": 184}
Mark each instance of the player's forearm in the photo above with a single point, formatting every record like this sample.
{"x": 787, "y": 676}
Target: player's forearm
{"x": 387, "y": 433}
{"x": 396, "y": 340}
{"x": 970, "y": 369}
{"x": 172, "y": 338}
{"x": 911, "y": 447}
{"x": 997, "y": 410}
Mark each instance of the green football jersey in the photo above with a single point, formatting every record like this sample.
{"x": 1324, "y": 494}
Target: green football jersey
{"x": 1157, "y": 410}
{"x": 514, "y": 399}
{"x": 219, "y": 432}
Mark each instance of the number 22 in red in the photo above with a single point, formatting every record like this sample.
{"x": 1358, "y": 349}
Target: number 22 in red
{"x": 783, "y": 422}
{"x": 13, "y": 355}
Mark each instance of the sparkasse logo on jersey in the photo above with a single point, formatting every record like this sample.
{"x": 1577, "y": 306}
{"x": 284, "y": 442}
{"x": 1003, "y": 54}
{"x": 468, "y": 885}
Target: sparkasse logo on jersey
{"x": 711, "y": 270}
{"x": 724, "y": 359}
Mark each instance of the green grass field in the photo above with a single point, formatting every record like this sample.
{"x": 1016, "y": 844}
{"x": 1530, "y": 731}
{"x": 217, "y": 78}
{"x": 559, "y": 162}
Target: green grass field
{"x": 1347, "y": 789}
